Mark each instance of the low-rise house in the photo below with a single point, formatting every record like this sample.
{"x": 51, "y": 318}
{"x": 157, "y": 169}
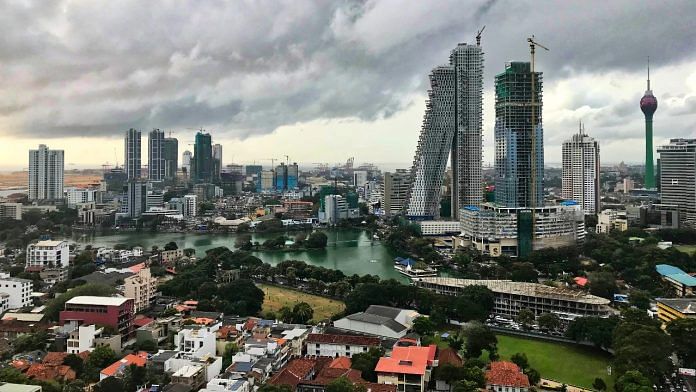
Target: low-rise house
{"x": 325, "y": 345}
{"x": 117, "y": 368}
{"x": 18, "y": 291}
{"x": 85, "y": 338}
{"x": 503, "y": 376}
{"x": 379, "y": 320}
{"x": 408, "y": 368}
{"x": 116, "y": 312}
{"x": 226, "y": 385}
{"x": 197, "y": 341}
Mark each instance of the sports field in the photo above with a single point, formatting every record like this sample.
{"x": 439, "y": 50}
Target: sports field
{"x": 277, "y": 297}
{"x": 686, "y": 248}
{"x": 566, "y": 363}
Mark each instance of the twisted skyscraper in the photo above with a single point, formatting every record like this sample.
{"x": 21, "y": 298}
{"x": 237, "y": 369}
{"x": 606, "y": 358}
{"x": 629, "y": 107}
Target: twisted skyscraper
{"x": 648, "y": 104}
{"x": 452, "y": 126}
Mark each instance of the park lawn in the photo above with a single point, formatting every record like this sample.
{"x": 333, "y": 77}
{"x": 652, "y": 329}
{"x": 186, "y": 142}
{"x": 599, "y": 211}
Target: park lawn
{"x": 276, "y": 297}
{"x": 566, "y": 363}
{"x": 686, "y": 248}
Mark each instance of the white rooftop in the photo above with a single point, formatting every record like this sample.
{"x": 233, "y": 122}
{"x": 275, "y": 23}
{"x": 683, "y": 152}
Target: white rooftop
{"x": 94, "y": 300}
{"x": 49, "y": 243}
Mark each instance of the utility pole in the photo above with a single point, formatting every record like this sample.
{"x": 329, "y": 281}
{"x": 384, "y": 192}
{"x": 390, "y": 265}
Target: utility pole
{"x": 532, "y": 47}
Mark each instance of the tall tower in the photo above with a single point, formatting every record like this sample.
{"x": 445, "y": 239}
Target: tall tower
{"x": 132, "y": 153}
{"x": 155, "y": 148}
{"x": 170, "y": 146}
{"x": 46, "y": 169}
{"x": 581, "y": 171}
{"x": 452, "y": 128}
{"x": 202, "y": 162}
{"x": 519, "y": 165}
{"x": 648, "y": 104}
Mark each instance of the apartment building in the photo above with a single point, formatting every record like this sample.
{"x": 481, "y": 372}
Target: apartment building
{"x": 408, "y": 368}
{"x": 50, "y": 259}
{"x": 115, "y": 312}
{"x": 142, "y": 287}
{"x": 18, "y": 291}
{"x": 325, "y": 345}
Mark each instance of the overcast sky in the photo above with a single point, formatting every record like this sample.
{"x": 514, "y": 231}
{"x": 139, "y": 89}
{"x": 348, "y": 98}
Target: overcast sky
{"x": 323, "y": 80}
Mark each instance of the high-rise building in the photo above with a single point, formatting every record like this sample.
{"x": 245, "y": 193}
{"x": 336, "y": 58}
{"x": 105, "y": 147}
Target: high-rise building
{"x": 46, "y": 169}
{"x": 519, "y": 137}
{"x": 581, "y": 171}
{"x": 132, "y": 153}
{"x": 396, "y": 188}
{"x": 293, "y": 176}
{"x": 202, "y": 164}
{"x": 186, "y": 159}
{"x": 253, "y": 170}
{"x": 155, "y": 148}
{"x": 359, "y": 178}
{"x": 134, "y": 199}
{"x": 170, "y": 148}
{"x": 648, "y": 104}
{"x": 452, "y": 128}
{"x": 281, "y": 177}
{"x": 217, "y": 160}
{"x": 678, "y": 179}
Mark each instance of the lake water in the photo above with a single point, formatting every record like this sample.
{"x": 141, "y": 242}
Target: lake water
{"x": 351, "y": 251}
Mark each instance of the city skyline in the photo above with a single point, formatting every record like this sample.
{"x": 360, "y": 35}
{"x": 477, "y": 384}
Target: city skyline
{"x": 188, "y": 82}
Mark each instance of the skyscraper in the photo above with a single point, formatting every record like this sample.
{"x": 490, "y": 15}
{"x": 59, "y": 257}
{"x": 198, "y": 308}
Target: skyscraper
{"x": 202, "y": 164}
{"x": 217, "y": 160}
{"x": 186, "y": 159}
{"x": 452, "y": 127}
{"x": 519, "y": 149}
{"x": 46, "y": 174}
{"x": 581, "y": 171}
{"x": 155, "y": 148}
{"x": 170, "y": 146}
{"x": 678, "y": 179}
{"x": 648, "y": 104}
{"x": 396, "y": 188}
{"x": 134, "y": 199}
{"x": 132, "y": 153}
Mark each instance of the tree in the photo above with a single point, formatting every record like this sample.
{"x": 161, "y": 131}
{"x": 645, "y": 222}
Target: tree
{"x": 366, "y": 363}
{"x": 640, "y": 299}
{"x": 524, "y": 272}
{"x": 479, "y": 338}
{"x": 639, "y": 344}
{"x": 302, "y": 313}
{"x": 316, "y": 240}
{"x": 423, "y": 326}
{"x": 171, "y": 246}
{"x": 603, "y": 284}
{"x": 520, "y": 359}
{"x": 525, "y": 317}
{"x": 109, "y": 384}
{"x": 683, "y": 332}
{"x": 275, "y": 388}
{"x": 633, "y": 381}
{"x": 231, "y": 349}
{"x": 75, "y": 362}
{"x": 549, "y": 321}
{"x": 101, "y": 357}
{"x": 285, "y": 314}
{"x": 243, "y": 242}
{"x": 599, "y": 384}
{"x": 464, "y": 386}
{"x": 597, "y": 330}
{"x": 343, "y": 384}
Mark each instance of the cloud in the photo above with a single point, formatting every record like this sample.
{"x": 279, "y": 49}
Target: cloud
{"x": 247, "y": 68}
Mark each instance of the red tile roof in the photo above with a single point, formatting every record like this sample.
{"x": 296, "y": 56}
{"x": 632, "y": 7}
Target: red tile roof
{"x": 137, "y": 267}
{"x": 449, "y": 356}
{"x": 340, "y": 363}
{"x": 227, "y": 331}
{"x": 294, "y": 372}
{"x": 505, "y": 373}
{"x": 141, "y": 321}
{"x": 138, "y": 359}
{"x": 342, "y": 339}
{"x": 39, "y": 371}
{"x": 407, "y": 360}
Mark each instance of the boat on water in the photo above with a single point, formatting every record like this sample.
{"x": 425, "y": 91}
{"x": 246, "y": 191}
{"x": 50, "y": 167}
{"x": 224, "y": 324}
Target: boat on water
{"x": 407, "y": 266}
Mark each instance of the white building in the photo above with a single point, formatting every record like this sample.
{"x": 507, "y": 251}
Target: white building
{"x": 154, "y": 200}
{"x": 50, "y": 258}
{"x": 190, "y": 205}
{"x": 186, "y": 162}
{"x": 677, "y": 173}
{"x": 197, "y": 341}
{"x": 82, "y": 338}
{"x": 142, "y": 287}
{"x": 226, "y": 385}
{"x": 610, "y": 220}
{"x": 335, "y": 208}
{"x": 18, "y": 291}
{"x": 440, "y": 227}
{"x": 379, "y": 320}
{"x": 325, "y": 345}
{"x": 46, "y": 174}
{"x": 267, "y": 177}
{"x": 359, "y": 178}
{"x": 11, "y": 211}
{"x": 581, "y": 171}
{"x": 77, "y": 196}
{"x": 396, "y": 188}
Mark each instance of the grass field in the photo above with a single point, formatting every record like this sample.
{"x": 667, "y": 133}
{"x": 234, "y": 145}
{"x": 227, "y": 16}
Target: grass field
{"x": 571, "y": 364}
{"x": 686, "y": 248}
{"x": 277, "y": 297}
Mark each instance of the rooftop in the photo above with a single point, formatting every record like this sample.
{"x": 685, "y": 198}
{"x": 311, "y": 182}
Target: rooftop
{"x": 377, "y": 320}
{"x": 138, "y": 359}
{"x": 521, "y": 288}
{"x": 407, "y": 360}
{"x": 49, "y": 243}
{"x": 506, "y": 374}
{"x": 675, "y": 273}
{"x": 683, "y": 305}
{"x": 94, "y": 300}
{"x": 342, "y": 339}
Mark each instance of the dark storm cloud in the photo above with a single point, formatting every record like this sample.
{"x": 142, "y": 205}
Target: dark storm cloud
{"x": 243, "y": 68}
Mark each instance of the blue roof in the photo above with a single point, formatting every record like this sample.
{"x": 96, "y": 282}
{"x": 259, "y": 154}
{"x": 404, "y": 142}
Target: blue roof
{"x": 569, "y": 203}
{"x": 472, "y": 208}
{"x": 242, "y": 366}
{"x": 676, "y": 274}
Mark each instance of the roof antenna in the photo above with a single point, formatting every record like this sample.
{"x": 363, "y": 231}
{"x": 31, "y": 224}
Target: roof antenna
{"x": 648, "y": 73}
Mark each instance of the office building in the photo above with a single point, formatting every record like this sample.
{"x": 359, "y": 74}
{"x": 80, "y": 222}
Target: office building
{"x": 46, "y": 169}
{"x": 648, "y": 105}
{"x": 190, "y": 205}
{"x": 202, "y": 164}
{"x": 154, "y": 200}
{"x": 293, "y": 176}
{"x": 452, "y": 128}
{"x": 170, "y": 154}
{"x": 396, "y": 188}
{"x": 253, "y": 170}
{"x": 335, "y": 209}
{"x": 678, "y": 179}
{"x": 519, "y": 137}
{"x": 440, "y": 227}
{"x": 611, "y": 220}
{"x": 281, "y": 177}
{"x": 77, "y": 196}
{"x": 50, "y": 259}
{"x": 186, "y": 159}
{"x": 115, "y": 312}
{"x": 267, "y": 181}
{"x": 580, "y": 177}
{"x": 217, "y": 160}
{"x": 511, "y": 297}
{"x": 115, "y": 179}
{"x": 684, "y": 284}
{"x": 516, "y": 231}
{"x": 671, "y": 309}
{"x": 155, "y": 147}
{"x": 134, "y": 200}
{"x": 18, "y": 291}
{"x": 11, "y": 211}
{"x": 359, "y": 178}
{"x": 132, "y": 157}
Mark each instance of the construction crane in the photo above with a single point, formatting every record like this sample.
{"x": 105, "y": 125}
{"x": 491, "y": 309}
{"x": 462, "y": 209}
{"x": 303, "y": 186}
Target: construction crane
{"x": 533, "y": 192}
{"x": 478, "y": 35}
{"x": 272, "y": 161}
{"x": 287, "y": 160}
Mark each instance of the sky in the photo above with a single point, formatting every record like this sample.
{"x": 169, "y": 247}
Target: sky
{"x": 321, "y": 81}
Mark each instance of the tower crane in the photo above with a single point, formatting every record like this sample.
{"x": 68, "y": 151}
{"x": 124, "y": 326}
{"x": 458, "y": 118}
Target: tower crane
{"x": 533, "y": 192}
{"x": 478, "y": 35}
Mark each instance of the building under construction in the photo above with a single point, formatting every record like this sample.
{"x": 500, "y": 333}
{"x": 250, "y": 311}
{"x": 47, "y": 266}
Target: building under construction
{"x": 519, "y": 137}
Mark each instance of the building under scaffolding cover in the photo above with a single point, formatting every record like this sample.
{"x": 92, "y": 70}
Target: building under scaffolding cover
{"x": 511, "y": 296}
